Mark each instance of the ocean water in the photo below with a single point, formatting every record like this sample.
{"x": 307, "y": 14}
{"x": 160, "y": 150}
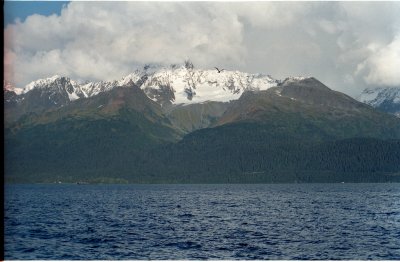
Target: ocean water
{"x": 276, "y": 221}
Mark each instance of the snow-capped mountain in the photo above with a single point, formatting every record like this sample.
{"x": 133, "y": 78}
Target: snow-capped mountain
{"x": 56, "y": 86}
{"x": 186, "y": 85}
{"x": 384, "y": 98}
{"x": 165, "y": 85}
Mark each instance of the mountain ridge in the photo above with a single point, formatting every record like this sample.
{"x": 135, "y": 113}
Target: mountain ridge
{"x": 166, "y": 85}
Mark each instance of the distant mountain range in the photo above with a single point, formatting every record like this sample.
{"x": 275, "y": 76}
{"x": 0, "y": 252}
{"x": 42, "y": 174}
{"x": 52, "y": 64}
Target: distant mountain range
{"x": 386, "y": 99}
{"x": 185, "y": 125}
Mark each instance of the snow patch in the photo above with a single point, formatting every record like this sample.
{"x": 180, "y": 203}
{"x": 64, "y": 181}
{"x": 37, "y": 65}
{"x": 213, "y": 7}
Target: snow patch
{"x": 73, "y": 96}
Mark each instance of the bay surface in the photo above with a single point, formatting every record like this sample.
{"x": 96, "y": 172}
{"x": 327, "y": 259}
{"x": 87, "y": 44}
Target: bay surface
{"x": 274, "y": 221}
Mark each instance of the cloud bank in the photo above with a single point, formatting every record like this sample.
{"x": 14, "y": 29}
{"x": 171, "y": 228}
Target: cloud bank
{"x": 348, "y": 46}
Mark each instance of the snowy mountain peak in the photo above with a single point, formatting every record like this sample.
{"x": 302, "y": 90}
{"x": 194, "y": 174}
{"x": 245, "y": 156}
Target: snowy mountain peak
{"x": 42, "y": 83}
{"x": 379, "y": 95}
{"x": 55, "y": 86}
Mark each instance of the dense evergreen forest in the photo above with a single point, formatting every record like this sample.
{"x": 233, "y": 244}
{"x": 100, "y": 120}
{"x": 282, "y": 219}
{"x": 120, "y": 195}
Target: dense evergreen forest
{"x": 237, "y": 153}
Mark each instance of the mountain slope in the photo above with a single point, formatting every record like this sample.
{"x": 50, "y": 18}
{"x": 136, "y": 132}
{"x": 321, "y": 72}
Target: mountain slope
{"x": 41, "y": 95}
{"x": 306, "y": 107}
{"x": 191, "y": 117}
{"x": 95, "y": 137}
{"x": 103, "y": 105}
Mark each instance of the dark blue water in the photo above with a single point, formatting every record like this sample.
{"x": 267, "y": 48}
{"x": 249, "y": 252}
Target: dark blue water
{"x": 297, "y": 221}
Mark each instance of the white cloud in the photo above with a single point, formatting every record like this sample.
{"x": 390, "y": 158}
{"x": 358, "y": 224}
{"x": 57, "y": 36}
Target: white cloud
{"x": 345, "y": 45}
{"x": 329, "y": 26}
{"x": 273, "y": 15}
{"x": 383, "y": 66}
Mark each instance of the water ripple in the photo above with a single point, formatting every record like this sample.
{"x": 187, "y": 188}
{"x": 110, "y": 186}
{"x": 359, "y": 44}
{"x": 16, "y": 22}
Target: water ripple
{"x": 200, "y": 222}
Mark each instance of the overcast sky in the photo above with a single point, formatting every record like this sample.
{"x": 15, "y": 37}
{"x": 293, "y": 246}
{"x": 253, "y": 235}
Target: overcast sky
{"x": 347, "y": 45}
